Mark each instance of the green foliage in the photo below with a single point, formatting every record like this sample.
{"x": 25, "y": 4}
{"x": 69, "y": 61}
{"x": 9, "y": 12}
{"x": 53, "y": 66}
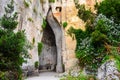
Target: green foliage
{"x": 51, "y": 1}
{"x": 113, "y": 55}
{"x": 108, "y": 28}
{"x": 33, "y": 41}
{"x": 13, "y": 46}
{"x": 40, "y": 46}
{"x": 30, "y": 19}
{"x": 65, "y": 24}
{"x": 44, "y": 23}
{"x": 117, "y": 62}
{"x": 98, "y": 37}
{"x": 36, "y": 64}
{"x": 114, "y": 52}
{"x": 70, "y": 32}
{"x": 92, "y": 44}
{"x": 111, "y": 9}
{"x": 26, "y": 4}
{"x": 34, "y": 10}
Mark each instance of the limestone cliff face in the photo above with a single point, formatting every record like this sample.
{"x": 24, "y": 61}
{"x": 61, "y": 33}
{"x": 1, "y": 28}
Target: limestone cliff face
{"x": 30, "y": 16}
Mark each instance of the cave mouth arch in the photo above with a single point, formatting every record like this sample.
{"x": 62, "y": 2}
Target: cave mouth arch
{"x": 52, "y": 45}
{"x": 48, "y": 57}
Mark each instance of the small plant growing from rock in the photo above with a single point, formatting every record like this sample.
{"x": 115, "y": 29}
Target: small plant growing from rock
{"x": 51, "y": 1}
{"x": 65, "y": 24}
{"x": 40, "y": 46}
{"x": 36, "y": 64}
{"x": 30, "y": 19}
{"x": 34, "y": 10}
{"x": 26, "y": 4}
{"x": 44, "y": 23}
{"x": 33, "y": 41}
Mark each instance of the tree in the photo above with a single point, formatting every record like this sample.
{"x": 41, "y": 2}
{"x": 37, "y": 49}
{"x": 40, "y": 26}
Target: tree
{"x": 111, "y": 9}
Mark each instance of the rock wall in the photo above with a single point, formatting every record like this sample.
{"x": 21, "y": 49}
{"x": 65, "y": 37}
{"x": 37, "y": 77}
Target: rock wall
{"x": 108, "y": 71}
{"x": 30, "y": 16}
{"x": 48, "y": 56}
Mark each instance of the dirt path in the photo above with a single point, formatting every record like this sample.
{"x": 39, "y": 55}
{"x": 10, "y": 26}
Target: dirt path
{"x": 45, "y": 76}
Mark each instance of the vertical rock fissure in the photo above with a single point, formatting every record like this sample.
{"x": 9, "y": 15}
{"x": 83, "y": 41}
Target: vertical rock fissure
{"x": 48, "y": 57}
{"x": 56, "y": 27}
{"x": 51, "y": 56}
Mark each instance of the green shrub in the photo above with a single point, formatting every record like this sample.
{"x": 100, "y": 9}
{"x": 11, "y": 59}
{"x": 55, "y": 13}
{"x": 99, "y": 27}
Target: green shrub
{"x": 36, "y": 64}
{"x": 34, "y": 10}
{"x": 98, "y": 37}
{"x": 51, "y": 1}
{"x": 30, "y": 19}
{"x": 33, "y": 41}
{"x": 42, "y": 1}
{"x": 65, "y": 24}
{"x": 40, "y": 46}
{"x": 8, "y": 23}
{"x": 44, "y": 23}
{"x": 26, "y": 4}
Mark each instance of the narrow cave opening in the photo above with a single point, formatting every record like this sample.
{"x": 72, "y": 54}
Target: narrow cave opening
{"x": 48, "y": 57}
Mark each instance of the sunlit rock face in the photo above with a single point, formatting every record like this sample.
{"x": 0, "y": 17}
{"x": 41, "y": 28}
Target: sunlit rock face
{"x": 30, "y": 19}
{"x": 48, "y": 56}
{"x": 108, "y": 71}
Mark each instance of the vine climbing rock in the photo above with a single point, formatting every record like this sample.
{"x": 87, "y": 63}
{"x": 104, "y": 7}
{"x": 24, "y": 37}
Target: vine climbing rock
{"x": 108, "y": 71}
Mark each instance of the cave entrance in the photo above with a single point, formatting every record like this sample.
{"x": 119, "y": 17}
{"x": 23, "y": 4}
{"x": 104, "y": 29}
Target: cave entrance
{"x": 51, "y": 55}
{"x": 48, "y": 57}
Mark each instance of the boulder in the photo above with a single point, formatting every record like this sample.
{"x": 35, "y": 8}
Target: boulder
{"x": 108, "y": 71}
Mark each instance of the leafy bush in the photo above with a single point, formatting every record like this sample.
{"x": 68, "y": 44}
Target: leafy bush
{"x": 33, "y": 40}
{"x": 51, "y": 1}
{"x": 40, "y": 46}
{"x": 94, "y": 43}
{"x": 108, "y": 28}
{"x": 44, "y": 23}
{"x": 42, "y": 1}
{"x": 26, "y": 4}
{"x": 98, "y": 37}
{"x": 35, "y": 10}
{"x": 30, "y": 19}
{"x": 65, "y": 24}
{"x": 111, "y": 9}
{"x": 36, "y": 64}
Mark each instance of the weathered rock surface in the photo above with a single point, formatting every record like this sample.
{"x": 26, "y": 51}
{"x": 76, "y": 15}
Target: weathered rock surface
{"x": 108, "y": 71}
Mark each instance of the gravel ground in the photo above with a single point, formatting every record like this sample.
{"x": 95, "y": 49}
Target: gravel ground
{"x": 45, "y": 76}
